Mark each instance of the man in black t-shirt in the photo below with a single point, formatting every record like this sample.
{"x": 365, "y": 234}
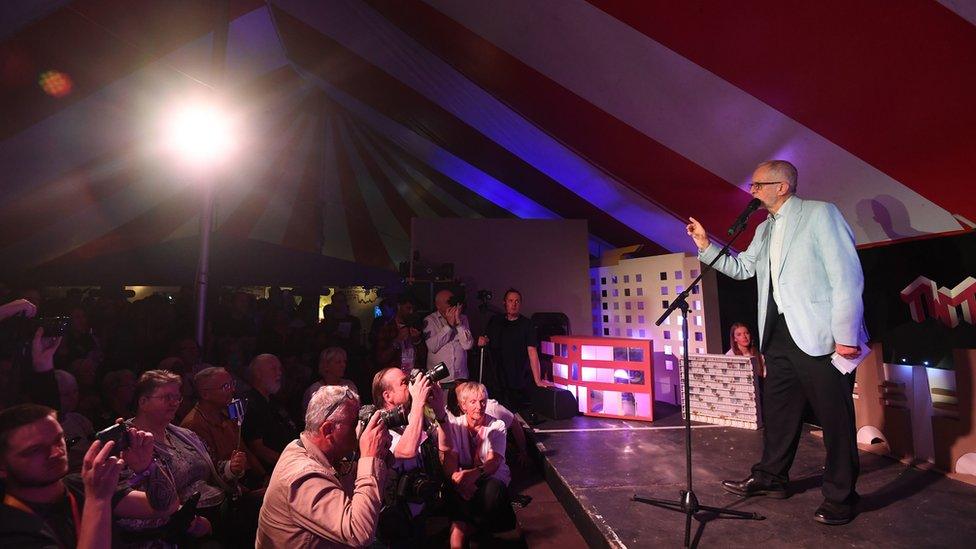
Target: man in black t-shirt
{"x": 514, "y": 352}
{"x": 42, "y": 507}
{"x": 267, "y": 427}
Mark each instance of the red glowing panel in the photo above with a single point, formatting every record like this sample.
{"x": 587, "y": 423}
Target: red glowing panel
{"x": 55, "y": 83}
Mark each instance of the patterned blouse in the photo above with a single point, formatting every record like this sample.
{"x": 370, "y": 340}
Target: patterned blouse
{"x": 186, "y": 459}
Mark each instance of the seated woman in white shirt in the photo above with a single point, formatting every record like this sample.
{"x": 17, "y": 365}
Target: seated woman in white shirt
{"x": 477, "y": 468}
{"x": 743, "y": 344}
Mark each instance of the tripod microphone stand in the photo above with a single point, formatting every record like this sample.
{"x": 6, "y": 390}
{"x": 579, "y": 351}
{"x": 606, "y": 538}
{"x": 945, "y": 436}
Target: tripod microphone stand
{"x": 688, "y": 502}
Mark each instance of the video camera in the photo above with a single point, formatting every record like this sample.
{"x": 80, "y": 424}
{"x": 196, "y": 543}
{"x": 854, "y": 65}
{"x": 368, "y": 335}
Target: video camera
{"x": 23, "y": 328}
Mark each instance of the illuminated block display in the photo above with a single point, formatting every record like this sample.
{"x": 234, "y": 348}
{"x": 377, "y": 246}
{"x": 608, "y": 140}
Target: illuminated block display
{"x": 610, "y": 377}
{"x": 629, "y": 295}
{"x": 724, "y": 391}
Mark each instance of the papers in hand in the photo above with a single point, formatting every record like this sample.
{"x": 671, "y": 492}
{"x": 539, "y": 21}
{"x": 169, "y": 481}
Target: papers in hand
{"x": 847, "y": 365}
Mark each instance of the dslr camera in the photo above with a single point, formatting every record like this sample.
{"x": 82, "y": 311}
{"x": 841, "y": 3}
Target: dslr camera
{"x": 416, "y": 486}
{"x": 436, "y": 373}
{"x": 397, "y": 416}
{"x": 393, "y": 418}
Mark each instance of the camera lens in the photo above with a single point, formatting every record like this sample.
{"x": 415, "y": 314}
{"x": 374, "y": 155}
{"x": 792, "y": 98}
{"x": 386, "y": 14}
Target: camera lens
{"x": 394, "y": 417}
{"x": 438, "y": 372}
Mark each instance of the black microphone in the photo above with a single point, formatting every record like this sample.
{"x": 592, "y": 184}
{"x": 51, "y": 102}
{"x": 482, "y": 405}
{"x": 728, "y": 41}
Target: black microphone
{"x": 740, "y": 221}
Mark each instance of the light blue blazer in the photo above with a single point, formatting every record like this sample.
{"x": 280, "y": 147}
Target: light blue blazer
{"x": 820, "y": 279}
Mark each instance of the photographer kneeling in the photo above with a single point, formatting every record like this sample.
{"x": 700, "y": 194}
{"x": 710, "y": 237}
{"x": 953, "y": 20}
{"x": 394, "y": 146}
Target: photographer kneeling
{"x": 306, "y": 503}
{"x": 417, "y": 448}
{"x": 478, "y": 470}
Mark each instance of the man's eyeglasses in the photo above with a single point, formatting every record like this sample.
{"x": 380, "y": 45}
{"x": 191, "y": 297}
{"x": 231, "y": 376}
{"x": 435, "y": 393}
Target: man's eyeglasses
{"x": 347, "y": 393}
{"x": 225, "y": 387}
{"x": 169, "y": 398}
{"x": 758, "y": 184}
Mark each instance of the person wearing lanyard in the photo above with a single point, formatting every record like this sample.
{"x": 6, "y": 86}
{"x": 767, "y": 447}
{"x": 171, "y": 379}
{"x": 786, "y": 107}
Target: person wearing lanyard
{"x": 45, "y": 507}
{"x": 397, "y": 341}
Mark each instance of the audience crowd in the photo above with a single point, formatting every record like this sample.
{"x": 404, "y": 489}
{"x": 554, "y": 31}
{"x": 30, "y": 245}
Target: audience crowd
{"x": 263, "y": 438}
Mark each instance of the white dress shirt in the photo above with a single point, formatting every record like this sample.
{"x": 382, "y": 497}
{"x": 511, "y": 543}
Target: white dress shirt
{"x": 776, "y": 246}
{"x": 448, "y": 344}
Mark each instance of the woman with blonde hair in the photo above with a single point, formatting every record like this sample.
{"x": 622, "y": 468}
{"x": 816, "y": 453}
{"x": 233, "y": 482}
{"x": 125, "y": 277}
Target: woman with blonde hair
{"x": 477, "y": 468}
{"x": 743, "y": 344}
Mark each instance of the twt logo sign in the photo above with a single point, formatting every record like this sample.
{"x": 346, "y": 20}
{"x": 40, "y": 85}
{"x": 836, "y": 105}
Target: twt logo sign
{"x": 926, "y": 301}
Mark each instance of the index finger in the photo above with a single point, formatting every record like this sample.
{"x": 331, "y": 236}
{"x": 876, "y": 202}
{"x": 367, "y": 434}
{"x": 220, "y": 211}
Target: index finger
{"x": 373, "y": 420}
{"x": 92, "y": 451}
{"x": 694, "y": 221}
{"x": 105, "y": 452}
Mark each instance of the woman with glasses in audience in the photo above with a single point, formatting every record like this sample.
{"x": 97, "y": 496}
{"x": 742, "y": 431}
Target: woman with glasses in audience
{"x": 185, "y": 455}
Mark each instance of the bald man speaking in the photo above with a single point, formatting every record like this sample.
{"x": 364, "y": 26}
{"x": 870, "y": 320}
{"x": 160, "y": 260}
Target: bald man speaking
{"x": 810, "y": 283}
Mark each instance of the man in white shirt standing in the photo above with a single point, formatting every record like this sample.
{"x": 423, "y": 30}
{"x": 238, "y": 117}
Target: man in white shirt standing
{"x": 448, "y": 336}
{"x": 810, "y": 283}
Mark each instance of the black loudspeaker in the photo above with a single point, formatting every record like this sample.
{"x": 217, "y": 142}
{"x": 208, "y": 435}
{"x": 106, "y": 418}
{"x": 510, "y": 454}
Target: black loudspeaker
{"x": 554, "y": 403}
{"x": 547, "y": 325}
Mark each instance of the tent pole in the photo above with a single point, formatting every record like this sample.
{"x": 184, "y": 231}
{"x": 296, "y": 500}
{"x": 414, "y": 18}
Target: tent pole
{"x": 218, "y": 61}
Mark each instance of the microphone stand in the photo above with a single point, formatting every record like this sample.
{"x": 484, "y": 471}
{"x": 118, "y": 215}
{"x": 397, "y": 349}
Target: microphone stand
{"x": 688, "y": 502}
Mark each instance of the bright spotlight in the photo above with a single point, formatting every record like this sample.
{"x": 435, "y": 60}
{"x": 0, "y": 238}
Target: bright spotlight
{"x": 201, "y": 134}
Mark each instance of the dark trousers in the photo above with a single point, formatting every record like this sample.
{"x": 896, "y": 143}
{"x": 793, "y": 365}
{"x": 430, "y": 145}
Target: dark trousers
{"x": 489, "y": 510}
{"x": 793, "y": 379}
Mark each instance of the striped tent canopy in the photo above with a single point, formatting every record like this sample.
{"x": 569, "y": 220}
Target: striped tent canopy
{"x": 358, "y": 115}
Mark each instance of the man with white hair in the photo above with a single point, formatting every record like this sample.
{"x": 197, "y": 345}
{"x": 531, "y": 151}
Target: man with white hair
{"x": 810, "y": 308}
{"x": 267, "y": 428}
{"x": 305, "y": 504}
{"x": 448, "y": 336}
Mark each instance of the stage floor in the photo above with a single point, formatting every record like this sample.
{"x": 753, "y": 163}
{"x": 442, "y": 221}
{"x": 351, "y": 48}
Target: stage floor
{"x": 596, "y": 465}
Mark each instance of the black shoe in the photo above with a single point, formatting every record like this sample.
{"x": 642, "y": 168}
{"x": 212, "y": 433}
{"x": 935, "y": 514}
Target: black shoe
{"x": 753, "y": 487}
{"x": 834, "y": 514}
{"x": 520, "y": 501}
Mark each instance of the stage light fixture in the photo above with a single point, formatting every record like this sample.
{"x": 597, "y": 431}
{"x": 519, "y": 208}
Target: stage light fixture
{"x": 200, "y": 133}
{"x": 55, "y": 83}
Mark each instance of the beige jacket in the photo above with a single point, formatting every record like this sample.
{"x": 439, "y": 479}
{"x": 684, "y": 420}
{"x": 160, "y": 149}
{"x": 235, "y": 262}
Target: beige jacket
{"x": 306, "y": 505}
